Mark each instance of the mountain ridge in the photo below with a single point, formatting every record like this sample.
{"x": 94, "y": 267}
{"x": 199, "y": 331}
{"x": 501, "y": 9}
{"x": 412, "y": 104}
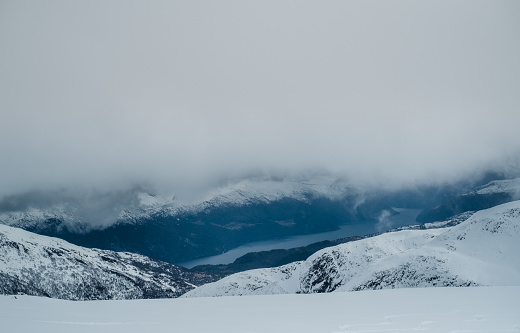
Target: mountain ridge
{"x": 164, "y": 228}
{"x": 479, "y": 251}
{"x": 45, "y": 266}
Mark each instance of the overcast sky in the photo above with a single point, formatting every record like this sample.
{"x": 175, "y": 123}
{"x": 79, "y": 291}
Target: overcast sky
{"x": 178, "y": 93}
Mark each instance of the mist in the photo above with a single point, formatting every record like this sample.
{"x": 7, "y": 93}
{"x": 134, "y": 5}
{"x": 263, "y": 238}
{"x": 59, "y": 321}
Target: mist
{"x": 181, "y": 95}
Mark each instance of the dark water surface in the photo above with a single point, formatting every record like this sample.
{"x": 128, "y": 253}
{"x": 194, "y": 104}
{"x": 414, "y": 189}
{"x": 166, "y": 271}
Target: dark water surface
{"x": 405, "y": 217}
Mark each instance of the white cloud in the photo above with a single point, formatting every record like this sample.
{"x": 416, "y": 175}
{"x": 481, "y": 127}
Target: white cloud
{"x": 182, "y": 92}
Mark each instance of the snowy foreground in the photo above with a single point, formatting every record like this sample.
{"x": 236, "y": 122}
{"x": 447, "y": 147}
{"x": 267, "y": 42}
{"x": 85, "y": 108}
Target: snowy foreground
{"x": 472, "y": 309}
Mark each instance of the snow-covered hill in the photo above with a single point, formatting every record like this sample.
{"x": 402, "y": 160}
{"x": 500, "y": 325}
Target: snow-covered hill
{"x": 45, "y": 266}
{"x": 483, "y": 250}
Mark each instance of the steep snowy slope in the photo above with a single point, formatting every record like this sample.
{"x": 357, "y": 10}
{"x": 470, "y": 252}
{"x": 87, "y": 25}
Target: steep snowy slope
{"x": 483, "y": 250}
{"x": 44, "y": 266}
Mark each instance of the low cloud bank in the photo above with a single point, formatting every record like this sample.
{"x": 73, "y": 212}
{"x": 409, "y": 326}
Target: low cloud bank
{"x": 181, "y": 96}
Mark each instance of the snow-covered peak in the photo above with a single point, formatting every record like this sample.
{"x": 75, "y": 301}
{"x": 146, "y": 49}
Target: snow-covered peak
{"x": 32, "y": 217}
{"x": 265, "y": 190}
{"x": 153, "y": 200}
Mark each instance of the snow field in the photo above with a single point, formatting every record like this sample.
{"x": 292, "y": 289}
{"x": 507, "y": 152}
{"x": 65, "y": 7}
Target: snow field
{"x": 474, "y": 309}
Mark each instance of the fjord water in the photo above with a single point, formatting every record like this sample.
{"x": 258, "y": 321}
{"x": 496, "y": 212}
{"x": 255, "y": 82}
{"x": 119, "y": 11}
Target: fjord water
{"x": 406, "y": 217}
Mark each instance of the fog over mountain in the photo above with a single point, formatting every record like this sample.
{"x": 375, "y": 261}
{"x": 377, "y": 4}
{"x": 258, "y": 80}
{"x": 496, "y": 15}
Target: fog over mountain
{"x": 178, "y": 95}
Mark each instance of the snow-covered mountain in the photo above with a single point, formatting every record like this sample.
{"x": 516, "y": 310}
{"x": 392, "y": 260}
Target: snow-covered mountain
{"x": 483, "y": 250}
{"x": 168, "y": 229}
{"x": 138, "y": 204}
{"x": 511, "y": 186}
{"x": 44, "y": 266}
{"x": 175, "y": 230}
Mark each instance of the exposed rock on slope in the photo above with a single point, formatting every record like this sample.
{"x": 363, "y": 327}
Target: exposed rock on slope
{"x": 43, "y": 266}
{"x": 483, "y": 250}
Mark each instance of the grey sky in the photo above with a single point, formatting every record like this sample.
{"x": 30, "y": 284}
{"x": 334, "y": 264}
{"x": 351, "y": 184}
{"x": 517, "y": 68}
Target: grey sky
{"x": 98, "y": 93}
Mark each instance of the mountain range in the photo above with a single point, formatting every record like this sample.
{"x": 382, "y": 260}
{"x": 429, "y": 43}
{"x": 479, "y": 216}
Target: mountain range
{"x": 483, "y": 250}
{"x": 465, "y": 250}
{"x": 168, "y": 229}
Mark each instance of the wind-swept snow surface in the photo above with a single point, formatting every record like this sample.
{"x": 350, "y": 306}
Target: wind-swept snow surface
{"x": 483, "y": 250}
{"x": 478, "y": 309}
